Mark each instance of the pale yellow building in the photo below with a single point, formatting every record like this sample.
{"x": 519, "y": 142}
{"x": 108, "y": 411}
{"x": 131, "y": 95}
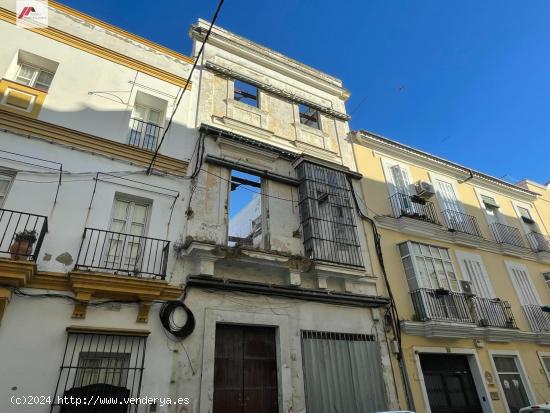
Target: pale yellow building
{"x": 467, "y": 257}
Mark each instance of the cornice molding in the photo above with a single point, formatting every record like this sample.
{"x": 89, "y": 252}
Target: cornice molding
{"x": 433, "y": 163}
{"x": 445, "y": 330}
{"x": 34, "y": 128}
{"x": 289, "y": 96}
{"x": 84, "y": 285}
{"x": 270, "y": 59}
{"x": 434, "y": 232}
{"x": 121, "y": 32}
{"x": 100, "y": 51}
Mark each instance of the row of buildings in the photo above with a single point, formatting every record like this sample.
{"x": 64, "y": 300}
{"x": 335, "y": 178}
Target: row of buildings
{"x": 321, "y": 269}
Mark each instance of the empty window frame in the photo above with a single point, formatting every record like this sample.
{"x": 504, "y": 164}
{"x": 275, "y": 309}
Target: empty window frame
{"x": 327, "y": 215}
{"x": 428, "y": 266}
{"x": 97, "y": 364}
{"x": 34, "y": 76}
{"x": 245, "y": 93}
{"x": 309, "y": 116}
{"x": 245, "y": 210}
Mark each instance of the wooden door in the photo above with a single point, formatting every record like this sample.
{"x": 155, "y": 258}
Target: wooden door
{"x": 245, "y": 370}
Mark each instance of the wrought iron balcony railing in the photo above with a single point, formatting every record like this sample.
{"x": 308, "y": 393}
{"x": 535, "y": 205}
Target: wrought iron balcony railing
{"x": 492, "y": 312}
{"x": 412, "y": 206}
{"x": 539, "y": 242}
{"x": 457, "y": 221}
{"x": 21, "y": 234}
{"x": 121, "y": 253}
{"x": 538, "y": 320}
{"x": 507, "y": 235}
{"x": 144, "y": 135}
{"x": 441, "y": 305}
{"x": 444, "y": 305}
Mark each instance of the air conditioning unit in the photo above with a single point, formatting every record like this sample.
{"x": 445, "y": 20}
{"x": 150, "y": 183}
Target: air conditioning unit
{"x": 466, "y": 287}
{"x": 424, "y": 189}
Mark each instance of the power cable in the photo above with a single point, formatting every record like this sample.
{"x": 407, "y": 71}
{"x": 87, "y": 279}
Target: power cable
{"x": 214, "y": 18}
{"x": 392, "y": 310}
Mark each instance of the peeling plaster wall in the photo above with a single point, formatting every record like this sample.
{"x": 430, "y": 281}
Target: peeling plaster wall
{"x": 289, "y": 316}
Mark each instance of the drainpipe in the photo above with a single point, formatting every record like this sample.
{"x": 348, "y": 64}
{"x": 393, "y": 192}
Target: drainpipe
{"x": 467, "y": 179}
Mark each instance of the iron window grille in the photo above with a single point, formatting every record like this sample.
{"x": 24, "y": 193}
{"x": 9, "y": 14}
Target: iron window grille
{"x": 327, "y": 216}
{"x": 143, "y": 134}
{"x": 103, "y": 369}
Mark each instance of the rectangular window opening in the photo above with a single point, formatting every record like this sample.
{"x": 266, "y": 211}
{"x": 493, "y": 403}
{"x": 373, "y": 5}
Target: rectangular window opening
{"x": 245, "y": 93}
{"x": 147, "y": 121}
{"x": 34, "y": 70}
{"x": 245, "y": 210}
{"x": 526, "y": 216}
{"x": 6, "y": 180}
{"x": 101, "y": 365}
{"x": 309, "y": 116}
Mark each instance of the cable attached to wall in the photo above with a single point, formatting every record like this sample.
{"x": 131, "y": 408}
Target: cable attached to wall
{"x": 394, "y": 315}
{"x": 166, "y": 315}
{"x": 214, "y": 18}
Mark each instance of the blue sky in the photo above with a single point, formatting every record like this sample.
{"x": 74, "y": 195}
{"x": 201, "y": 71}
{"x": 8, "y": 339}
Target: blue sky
{"x": 468, "y": 80}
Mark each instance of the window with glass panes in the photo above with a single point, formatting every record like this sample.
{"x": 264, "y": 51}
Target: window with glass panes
{"x": 428, "y": 266}
{"x": 34, "y": 77}
{"x": 102, "y": 368}
{"x": 5, "y": 183}
{"x": 545, "y": 360}
{"x": 128, "y": 225}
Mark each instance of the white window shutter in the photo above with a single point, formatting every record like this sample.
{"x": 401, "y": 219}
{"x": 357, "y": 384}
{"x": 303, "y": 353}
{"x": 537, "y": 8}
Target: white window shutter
{"x": 473, "y": 270}
{"x": 521, "y": 280}
{"x": 447, "y": 196}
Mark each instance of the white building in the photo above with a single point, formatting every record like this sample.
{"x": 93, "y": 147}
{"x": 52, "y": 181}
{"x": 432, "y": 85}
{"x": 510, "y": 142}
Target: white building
{"x": 287, "y": 322}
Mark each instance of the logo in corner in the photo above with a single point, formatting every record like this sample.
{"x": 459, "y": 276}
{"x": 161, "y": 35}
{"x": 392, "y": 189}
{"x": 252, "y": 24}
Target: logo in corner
{"x": 31, "y": 14}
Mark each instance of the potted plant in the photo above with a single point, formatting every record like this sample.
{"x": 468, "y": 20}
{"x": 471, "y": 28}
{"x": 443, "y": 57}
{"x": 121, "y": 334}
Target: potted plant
{"x": 21, "y": 248}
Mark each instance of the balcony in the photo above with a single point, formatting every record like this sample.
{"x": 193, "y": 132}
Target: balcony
{"x": 441, "y": 305}
{"x": 123, "y": 254}
{"x": 492, "y": 312}
{"x": 539, "y": 242}
{"x": 144, "y": 135}
{"x": 412, "y": 206}
{"x": 444, "y": 305}
{"x": 21, "y": 234}
{"x": 457, "y": 221}
{"x": 538, "y": 320}
{"x": 505, "y": 234}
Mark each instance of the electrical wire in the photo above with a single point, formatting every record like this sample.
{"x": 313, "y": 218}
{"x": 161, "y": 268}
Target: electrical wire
{"x": 214, "y": 18}
{"x": 392, "y": 310}
{"x": 166, "y": 315}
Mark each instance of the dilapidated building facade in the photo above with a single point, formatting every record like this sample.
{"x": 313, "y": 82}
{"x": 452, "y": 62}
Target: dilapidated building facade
{"x": 118, "y": 195}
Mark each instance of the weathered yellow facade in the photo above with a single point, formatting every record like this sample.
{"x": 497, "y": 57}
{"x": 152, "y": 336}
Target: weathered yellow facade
{"x": 445, "y": 328}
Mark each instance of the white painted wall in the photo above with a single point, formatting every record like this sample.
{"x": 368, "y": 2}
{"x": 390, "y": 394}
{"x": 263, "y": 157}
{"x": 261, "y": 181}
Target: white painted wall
{"x": 33, "y": 337}
{"x": 96, "y": 96}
